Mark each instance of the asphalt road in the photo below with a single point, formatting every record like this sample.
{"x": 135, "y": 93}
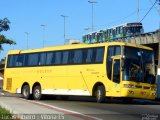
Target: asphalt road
{"x": 111, "y": 109}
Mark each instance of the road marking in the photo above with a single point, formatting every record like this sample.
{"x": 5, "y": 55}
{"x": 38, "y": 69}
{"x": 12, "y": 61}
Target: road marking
{"x": 65, "y": 111}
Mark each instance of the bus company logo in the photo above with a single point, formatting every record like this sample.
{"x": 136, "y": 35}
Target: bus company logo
{"x": 150, "y": 117}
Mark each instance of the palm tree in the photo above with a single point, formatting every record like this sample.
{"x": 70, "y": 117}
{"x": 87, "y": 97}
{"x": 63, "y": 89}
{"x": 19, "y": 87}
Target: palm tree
{"x": 4, "y": 26}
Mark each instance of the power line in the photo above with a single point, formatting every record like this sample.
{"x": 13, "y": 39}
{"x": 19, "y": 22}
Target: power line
{"x": 158, "y": 10}
{"x": 118, "y": 20}
{"x": 149, "y": 10}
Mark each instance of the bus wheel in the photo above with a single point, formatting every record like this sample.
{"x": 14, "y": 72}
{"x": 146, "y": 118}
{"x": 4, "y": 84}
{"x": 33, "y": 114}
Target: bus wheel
{"x": 100, "y": 94}
{"x": 37, "y": 93}
{"x": 26, "y": 92}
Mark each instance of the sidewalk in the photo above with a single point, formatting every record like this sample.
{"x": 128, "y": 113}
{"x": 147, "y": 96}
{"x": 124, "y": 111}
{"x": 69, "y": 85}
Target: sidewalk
{"x": 26, "y": 109}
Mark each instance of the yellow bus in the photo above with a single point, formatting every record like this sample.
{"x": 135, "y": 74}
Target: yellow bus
{"x": 114, "y": 69}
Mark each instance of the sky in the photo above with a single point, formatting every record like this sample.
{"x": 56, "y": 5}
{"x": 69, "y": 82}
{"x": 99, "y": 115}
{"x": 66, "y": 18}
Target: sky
{"x": 29, "y": 15}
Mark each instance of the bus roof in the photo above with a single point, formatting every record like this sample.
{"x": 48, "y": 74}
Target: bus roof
{"x": 77, "y": 46}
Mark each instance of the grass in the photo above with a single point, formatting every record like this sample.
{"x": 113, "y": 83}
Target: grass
{"x": 6, "y": 115}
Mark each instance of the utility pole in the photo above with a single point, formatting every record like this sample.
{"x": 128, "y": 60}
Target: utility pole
{"x": 156, "y": 7}
{"x": 137, "y": 10}
{"x": 27, "y": 34}
{"x": 43, "y": 26}
{"x": 64, "y": 17}
{"x": 92, "y": 2}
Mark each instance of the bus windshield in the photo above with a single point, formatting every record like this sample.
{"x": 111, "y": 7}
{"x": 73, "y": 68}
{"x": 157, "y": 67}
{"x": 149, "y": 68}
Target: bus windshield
{"x": 138, "y": 65}
{"x": 134, "y": 30}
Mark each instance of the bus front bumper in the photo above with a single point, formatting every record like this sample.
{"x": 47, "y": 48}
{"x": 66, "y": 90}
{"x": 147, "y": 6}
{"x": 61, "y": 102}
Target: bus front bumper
{"x": 138, "y": 93}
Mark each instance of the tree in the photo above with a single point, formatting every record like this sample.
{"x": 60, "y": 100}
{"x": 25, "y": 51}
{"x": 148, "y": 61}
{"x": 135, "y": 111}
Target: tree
{"x": 4, "y": 26}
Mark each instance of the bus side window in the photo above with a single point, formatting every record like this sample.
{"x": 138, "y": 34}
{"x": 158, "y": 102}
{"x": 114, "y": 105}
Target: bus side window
{"x": 116, "y": 71}
{"x": 58, "y": 58}
{"x": 109, "y": 61}
{"x": 84, "y": 55}
{"x": 11, "y": 61}
{"x": 89, "y": 55}
{"x": 99, "y": 55}
{"x": 71, "y": 57}
{"x": 42, "y": 60}
{"x": 49, "y": 58}
{"x": 112, "y": 51}
{"x": 121, "y": 30}
{"x": 124, "y": 31}
{"x": 33, "y": 59}
{"x": 65, "y": 57}
{"x": 19, "y": 60}
{"x": 117, "y": 50}
{"x": 78, "y": 56}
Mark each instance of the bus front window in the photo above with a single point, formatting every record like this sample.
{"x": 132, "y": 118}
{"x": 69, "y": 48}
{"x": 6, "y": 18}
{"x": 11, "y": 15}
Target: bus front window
{"x": 138, "y": 65}
{"x": 134, "y": 30}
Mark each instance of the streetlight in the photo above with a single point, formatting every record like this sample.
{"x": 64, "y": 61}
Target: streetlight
{"x": 86, "y": 29}
{"x": 92, "y": 2}
{"x": 137, "y": 10}
{"x": 64, "y": 17}
{"x": 43, "y": 26}
{"x": 27, "y": 34}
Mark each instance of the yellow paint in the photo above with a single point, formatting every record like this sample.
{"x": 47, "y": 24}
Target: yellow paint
{"x": 73, "y": 77}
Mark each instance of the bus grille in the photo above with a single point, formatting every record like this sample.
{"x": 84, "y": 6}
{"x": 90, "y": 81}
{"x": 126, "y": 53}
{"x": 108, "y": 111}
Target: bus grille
{"x": 145, "y": 87}
{"x": 9, "y": 83}
{"x": 138, "y": 86}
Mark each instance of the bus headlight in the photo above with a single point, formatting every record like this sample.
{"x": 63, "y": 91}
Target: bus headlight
{"x": 153, "y": 88}
{"x": 129, "y": 86}
{"x": 153, "y": 94}
{"x": 130, "y": 92}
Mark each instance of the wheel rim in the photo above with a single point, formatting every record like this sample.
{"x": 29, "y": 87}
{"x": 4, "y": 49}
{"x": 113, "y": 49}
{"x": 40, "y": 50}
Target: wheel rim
{"x": 25, "y": 92}
{"x": 37, "y": 93}
{"x": 98, "y": 94}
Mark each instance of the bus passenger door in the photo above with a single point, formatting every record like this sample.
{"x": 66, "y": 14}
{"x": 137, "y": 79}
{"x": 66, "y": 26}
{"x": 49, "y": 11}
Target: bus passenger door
{"x": 116, "y": 77}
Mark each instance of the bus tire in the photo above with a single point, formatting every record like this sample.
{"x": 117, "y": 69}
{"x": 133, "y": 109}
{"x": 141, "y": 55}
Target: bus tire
{"x": 100, "y": 94}
{"x": 37, "y": 93}
{"x": 26, "y": 92}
